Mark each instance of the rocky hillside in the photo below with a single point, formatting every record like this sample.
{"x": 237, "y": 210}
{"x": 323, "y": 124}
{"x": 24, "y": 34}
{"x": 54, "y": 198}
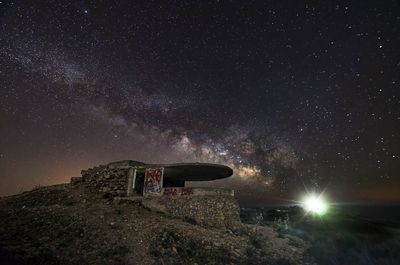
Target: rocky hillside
{"x": 65, "y": 224}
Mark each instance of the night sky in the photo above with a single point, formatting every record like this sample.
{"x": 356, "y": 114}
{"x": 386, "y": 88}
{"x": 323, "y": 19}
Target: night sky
{"x": 293, "y": 95}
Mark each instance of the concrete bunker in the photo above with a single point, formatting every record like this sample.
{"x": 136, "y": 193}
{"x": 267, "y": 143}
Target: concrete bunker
{"x": 162, "y": 186}
{"x": 132, "y": 178}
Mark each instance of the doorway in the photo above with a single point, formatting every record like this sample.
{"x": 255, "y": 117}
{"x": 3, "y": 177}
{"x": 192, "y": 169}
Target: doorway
{"x": 139, "y": 182}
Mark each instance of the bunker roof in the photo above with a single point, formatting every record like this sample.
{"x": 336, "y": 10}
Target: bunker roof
{"x": 181, "y": 171}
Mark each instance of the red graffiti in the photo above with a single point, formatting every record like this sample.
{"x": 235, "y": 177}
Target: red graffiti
{"x": 187, "y": 191}
{"x": 153, "y": 180}
{"x": 170, "y": 191}
{"x": 178, "y": 191}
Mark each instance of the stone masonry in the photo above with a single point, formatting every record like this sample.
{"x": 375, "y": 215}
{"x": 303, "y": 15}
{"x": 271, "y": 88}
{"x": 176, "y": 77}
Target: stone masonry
{"x": 106, "y": 180}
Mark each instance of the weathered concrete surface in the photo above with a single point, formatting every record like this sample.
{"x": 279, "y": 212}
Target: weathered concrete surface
{"x": 183, "y": 191}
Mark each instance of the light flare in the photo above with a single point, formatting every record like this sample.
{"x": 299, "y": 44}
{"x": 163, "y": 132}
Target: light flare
{"x": 315, "y": 204}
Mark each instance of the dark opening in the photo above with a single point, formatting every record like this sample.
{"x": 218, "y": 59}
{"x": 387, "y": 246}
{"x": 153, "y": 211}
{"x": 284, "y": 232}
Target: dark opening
{"x": 173, "y": 183}
{"x": 139, "y": 183}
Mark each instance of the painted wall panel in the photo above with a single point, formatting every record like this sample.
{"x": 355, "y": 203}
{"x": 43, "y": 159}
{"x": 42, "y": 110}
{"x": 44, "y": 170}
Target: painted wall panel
{"x": 153, "y": 181}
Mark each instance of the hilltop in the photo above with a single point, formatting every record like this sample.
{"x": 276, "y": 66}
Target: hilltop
{"x": 67, "y": 224}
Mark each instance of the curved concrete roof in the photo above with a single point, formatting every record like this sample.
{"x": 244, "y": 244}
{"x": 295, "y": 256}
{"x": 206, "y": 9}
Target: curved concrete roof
{"x": 196, "y": 171}
{"x": 183, "y": 171}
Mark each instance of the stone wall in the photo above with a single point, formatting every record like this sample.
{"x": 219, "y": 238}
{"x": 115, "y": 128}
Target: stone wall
{"x": 108, "y": 180}
{"x": 209, "y": 210}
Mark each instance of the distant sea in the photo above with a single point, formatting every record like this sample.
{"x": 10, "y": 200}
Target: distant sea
{"x": 372, "y": 211}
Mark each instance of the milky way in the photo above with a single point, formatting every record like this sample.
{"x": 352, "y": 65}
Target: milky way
{"x": 160, "y": 120}
{"x": 288, "y": 96}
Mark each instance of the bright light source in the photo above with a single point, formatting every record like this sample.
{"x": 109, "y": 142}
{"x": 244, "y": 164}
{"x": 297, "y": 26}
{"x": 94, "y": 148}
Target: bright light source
{"x": 315, "y": 204}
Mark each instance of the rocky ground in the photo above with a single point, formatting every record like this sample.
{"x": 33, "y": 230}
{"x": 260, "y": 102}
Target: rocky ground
{"x": 65, "y": 224}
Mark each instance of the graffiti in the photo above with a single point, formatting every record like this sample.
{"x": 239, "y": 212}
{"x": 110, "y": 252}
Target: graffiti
{"x": 153, "y": 180}
{"x": 187, "y": 191}
{"x": 178, "y": 191}
{"x": 171, "y": 191}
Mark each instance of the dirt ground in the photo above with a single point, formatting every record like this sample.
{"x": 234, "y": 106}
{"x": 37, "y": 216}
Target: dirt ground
{"x": 65, "y": 224}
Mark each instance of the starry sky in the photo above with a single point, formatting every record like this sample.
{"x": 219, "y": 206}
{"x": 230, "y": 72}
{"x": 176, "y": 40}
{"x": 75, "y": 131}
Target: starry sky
{"x": 293, "y": 95}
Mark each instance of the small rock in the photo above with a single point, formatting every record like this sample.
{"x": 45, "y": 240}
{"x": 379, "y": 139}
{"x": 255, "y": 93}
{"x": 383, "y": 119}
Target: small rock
{"x": 174, "y": 250}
